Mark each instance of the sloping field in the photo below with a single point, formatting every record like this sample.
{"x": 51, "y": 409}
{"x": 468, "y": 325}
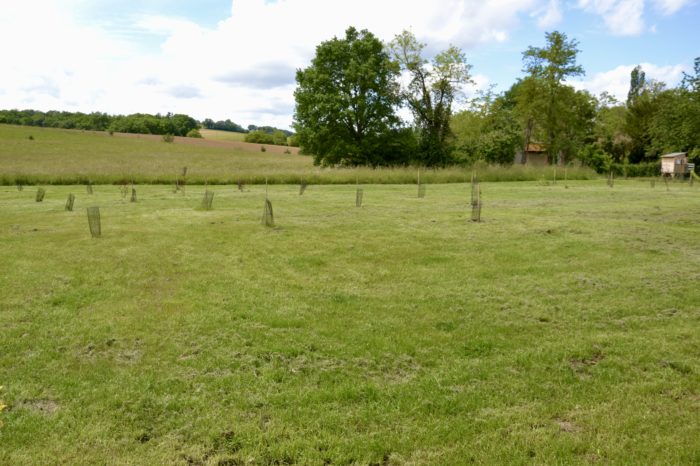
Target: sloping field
{"x": 561, "y": 330}
{"x": 53, "y": 156}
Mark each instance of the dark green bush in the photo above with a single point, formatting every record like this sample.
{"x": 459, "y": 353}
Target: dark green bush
{"x": 638, "y": 169}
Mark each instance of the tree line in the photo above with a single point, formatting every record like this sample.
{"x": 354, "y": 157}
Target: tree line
{"x": 348, "y": 99}
{"x": 141, "y": 123}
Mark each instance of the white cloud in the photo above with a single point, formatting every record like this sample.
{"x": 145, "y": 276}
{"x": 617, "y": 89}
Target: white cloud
{"x": 552, "y": 15}
{"x": 242, "y": 68}
{"x": 626, "y": 17}
{"x": 622, "y": 17}
{"x": 617, "y": 80}
{"x": 669, "y": 7}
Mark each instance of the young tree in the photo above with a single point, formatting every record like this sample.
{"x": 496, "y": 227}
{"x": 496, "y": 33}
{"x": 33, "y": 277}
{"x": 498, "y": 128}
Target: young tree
{"x": 430, "y": 93}
{"x": 346, "y": 101}
{"x": 548, "y": 67}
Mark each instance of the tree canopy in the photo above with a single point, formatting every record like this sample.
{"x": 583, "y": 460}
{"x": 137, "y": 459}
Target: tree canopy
{"x": 430, "y": 93}
{"x": 346, "y": 101}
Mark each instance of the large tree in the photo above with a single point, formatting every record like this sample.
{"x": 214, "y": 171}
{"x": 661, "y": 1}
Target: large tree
{"x": 430, "y": 93}
{"x": 346, "y": 101}
{"x": 547, "y": 68}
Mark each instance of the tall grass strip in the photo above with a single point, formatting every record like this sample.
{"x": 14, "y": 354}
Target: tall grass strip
{"x": 268, "y": 218}
{"x": 93, "y": 214}
{"x": 40, "y": 193}
{"x": 207, "y": 200}
{"x": 69, "y": 202}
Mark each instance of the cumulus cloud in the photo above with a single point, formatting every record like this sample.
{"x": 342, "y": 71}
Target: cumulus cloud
{"x": 626, "y": 17}
{"x": 551, "y": 16}
{"x": 243, "y": 67}
{"x": 617, "y": 81}
{"x": 669, "y": 7}
{"x": 622, "y": 17}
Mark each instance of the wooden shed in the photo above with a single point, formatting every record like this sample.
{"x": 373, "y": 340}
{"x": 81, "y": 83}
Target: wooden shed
{"x": 674, "y": 164}
{"x": 535, "y": 154}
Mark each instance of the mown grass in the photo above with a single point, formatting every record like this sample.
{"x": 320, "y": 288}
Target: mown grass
{"x": 72, "y": 157}
{"x": 563, "y": 329}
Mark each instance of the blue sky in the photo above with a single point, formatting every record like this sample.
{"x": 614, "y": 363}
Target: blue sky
{"x": 236, "y": 59}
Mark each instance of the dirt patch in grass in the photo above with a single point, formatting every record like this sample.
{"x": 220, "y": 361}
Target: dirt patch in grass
{"x": 568, "y": 426}
{"x": 582, "y": 366}
{"x": 40, "y": 405}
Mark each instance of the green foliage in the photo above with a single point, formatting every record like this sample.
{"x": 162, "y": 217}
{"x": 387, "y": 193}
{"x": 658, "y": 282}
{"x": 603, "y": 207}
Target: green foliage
{"x": 194, "y": 133}
{"x": 489, "y": 131}
{"x": 141, "y": 123}
{"x": 345, "y": 102}
{"x": 259, "y": 137}
{"x": 592, "y": 155}
{"x": 432, "y": 89}
{"x": 609, "y": 130}
{"x": 222, "y": 125}
{"x": 562, "y": 113}
{"x": 675, "y": 125}
{"x": 168, "y": 138}
{"x": 636, "y": 170}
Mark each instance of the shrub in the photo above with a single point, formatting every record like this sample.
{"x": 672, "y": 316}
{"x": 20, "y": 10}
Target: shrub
{"x": 595, "y": 157}
{"x": 638, "y": 169}
{"x": 168, "y": 138}
{"x": 194, "y": 133}
{"x": 263, "y": 149}
{"x": 259, "y": 137}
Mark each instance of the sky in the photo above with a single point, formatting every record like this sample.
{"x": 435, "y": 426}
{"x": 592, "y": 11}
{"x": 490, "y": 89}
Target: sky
{"x": 236, "y": 59}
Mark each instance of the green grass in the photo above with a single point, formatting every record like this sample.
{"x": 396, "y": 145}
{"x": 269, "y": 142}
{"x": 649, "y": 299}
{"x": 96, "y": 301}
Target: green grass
{"x": 56, "y": 156}
{"x": 561, "y": 330}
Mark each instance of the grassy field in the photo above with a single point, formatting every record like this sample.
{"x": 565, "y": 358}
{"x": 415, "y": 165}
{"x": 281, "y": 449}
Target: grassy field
{"x": 54, "y": 156}
{"x": 561, "y": 330}
{"x": 217, "y": 135}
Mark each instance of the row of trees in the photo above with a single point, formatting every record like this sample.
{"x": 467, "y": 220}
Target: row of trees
{"x": 142, "y": 123}
{"x": 347, "y": 101}
{"x": 347, "y": 104}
